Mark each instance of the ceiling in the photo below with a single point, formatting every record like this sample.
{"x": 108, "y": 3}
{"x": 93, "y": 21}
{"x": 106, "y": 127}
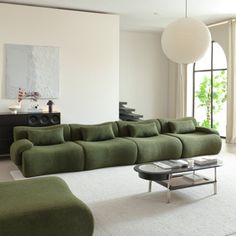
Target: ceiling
{"x": 148, "y": 15}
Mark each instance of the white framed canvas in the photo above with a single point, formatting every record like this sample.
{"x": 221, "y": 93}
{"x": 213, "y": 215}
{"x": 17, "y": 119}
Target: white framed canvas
{"x": 33, "y": 69}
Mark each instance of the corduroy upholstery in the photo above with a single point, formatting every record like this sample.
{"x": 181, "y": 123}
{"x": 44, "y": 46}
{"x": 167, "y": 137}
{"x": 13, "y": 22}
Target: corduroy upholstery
{"x": 199, "y": 143}
{"x": 196, "y": 141}
{"x": 157, "y": 148}
{"x": 165, "y": 128}
{"x": 42, "y": 207}
{"x": 113, "y": 152}
{"x": 87, "y": 147}
{"x": 41, "y": 160}
{"x": 123, "y": 126}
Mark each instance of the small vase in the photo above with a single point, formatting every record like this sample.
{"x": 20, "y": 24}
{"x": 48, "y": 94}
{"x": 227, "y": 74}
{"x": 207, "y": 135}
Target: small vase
{"x": 14, "y": 108}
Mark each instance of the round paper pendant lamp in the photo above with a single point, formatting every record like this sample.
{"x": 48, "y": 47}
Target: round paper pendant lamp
{"x": 185, "y": 40}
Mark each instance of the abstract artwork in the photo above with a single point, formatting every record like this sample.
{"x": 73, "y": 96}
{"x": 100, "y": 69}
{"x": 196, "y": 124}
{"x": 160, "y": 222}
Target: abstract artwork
{"x": 32, "y": 68}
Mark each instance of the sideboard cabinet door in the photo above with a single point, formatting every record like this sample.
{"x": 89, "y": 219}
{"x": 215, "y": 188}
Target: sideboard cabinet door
{"x": 8, "y": 121}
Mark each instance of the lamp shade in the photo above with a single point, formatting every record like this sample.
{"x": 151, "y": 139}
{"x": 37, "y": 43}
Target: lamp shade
{"x": 185, "y": 40}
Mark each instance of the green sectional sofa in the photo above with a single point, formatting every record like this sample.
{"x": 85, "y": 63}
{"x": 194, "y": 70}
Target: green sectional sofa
{"x": 106, "y": 152}
{"x": 42, "y": 207}
{"x": 151, "y": 147}
{"x": 34, "y": 159}
{"x": 197, "y": 141}
{"x": 75, "y": 147}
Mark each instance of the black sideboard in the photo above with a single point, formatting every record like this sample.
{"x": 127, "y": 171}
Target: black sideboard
{"x": 8, "y": 121}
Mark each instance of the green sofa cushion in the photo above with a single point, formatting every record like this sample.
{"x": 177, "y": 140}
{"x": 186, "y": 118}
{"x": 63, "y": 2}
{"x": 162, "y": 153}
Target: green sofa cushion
{"x": 76, "y": 133}
{"x": 165, "y": 128}
{"x": 113, "y": 152}
{"x": 123, "y": 126}
{"x": 42, "y": 207}
{"x": 143, "y": 130}
{"x": 157, "y": 148}
{"x": 21, "y": 132}
{"x": 97, "y": 132}
{"x": 41, "y": 160}
{"x": 46, "y": 137}
{"x": 199, "y": 143}
{"x": 182, "y": 126}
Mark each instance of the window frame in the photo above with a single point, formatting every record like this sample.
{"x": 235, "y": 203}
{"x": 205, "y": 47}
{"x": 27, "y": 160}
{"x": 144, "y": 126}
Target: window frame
{"x": 211, "y": 70}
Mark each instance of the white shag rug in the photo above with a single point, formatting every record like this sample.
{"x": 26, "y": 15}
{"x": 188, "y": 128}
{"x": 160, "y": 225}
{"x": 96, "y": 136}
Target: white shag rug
{"x": 121, "y": 205}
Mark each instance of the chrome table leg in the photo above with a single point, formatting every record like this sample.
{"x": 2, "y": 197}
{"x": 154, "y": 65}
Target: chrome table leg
{"x": 150, "y": 186}
{"x": 215, "y": 184}
{"x": 168, "y": 188}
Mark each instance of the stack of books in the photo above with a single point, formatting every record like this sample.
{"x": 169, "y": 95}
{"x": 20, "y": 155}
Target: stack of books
{"x": 195, "y": 178}
{"x": 205, "y": 160}
{"x": 172, "y": 164}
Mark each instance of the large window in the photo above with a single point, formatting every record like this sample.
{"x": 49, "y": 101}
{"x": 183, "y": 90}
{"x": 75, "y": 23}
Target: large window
{"x": 210, "y": 89}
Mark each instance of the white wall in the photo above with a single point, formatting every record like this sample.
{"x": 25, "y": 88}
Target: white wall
{"x": 89, "y": 57}
{"x": 143, "y": 73}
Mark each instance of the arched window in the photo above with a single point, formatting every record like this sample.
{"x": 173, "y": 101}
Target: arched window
{"x": 210, "y": 89}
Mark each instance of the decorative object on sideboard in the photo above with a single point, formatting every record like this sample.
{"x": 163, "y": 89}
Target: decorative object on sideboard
{"x": 185, "y": 40}
{"x": 22, "y": 94}
{"x": 50, "y": 104}
{"x": 14, "y": 108}
{"x": 33, "y": 96}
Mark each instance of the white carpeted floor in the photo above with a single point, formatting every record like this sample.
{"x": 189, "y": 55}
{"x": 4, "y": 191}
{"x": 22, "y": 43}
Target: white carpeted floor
{"x": 122, "y": 206}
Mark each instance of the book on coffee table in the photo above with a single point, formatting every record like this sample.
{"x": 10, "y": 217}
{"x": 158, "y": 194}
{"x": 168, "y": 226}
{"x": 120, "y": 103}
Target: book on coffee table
{"x": 194, "y": 178}
{"x": 172, "y": 164}
{"x": 205, "y": 160}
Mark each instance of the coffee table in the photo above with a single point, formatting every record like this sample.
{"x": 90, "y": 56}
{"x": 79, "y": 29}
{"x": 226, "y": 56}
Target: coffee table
{"x": 179, "y": 178}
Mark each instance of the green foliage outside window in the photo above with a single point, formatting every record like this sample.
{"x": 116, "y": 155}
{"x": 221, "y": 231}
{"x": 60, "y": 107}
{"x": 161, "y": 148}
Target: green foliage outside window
{"x": 219, "y": 96}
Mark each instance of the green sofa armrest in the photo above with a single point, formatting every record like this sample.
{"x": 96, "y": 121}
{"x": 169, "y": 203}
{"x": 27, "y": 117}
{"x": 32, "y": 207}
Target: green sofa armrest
{"x": 207, "y": 130}
{"x": 17, "y": 148}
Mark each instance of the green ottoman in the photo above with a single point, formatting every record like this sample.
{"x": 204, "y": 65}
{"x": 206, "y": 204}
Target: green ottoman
{"x": 42, "y": 207}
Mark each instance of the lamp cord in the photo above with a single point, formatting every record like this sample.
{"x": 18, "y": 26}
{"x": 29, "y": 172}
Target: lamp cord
{"x": 186, "y": 8}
